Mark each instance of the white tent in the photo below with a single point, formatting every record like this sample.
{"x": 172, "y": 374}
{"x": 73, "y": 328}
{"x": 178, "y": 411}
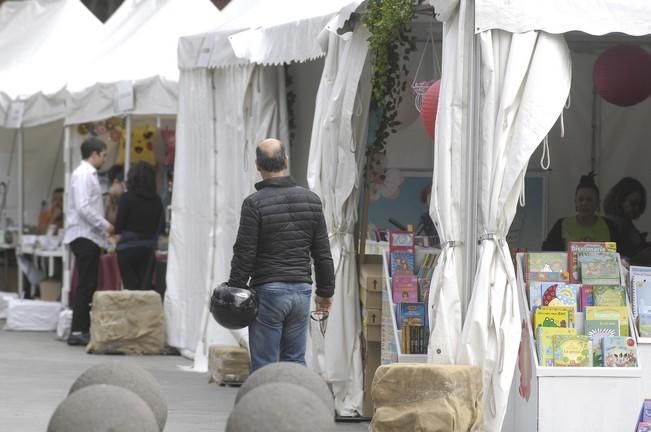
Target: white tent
{"x": 41, "y": 42}
{"x": 223, "y": 114}
{"x": 518, "y": 79}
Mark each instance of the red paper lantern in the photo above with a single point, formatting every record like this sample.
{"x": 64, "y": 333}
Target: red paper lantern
{"x": 622, "y": 75}
{"x": 429, "y": 107}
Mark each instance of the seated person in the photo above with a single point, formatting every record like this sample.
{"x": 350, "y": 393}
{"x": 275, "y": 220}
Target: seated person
{"x": 586, "y": 225}
{"x": 624, "y": 203}
{"x": 52, "y": 215}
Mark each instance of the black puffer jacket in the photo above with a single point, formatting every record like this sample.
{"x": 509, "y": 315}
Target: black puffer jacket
{"x": 281, "y": 227}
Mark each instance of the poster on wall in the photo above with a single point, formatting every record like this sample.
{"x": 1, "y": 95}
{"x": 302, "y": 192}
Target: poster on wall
{"x": 529, "y": 229}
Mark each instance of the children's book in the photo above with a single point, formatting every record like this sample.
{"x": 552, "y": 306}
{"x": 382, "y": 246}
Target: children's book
{"x": 600, "y": 268}
{"x": 427, "y": 267}
{"x": 572, "y": 351}
{"x": 596, "y": 330}
{"x": 643, "y": 427}
{"x": 609, "y": 295}
{"x": 536, "y": 291}
{"x": 547, "y": 277}
{"x": 619, "y": 351}
{"x": 546, "y": 262}
{"x": 645, "y": 411}
{"x": 585, "y": 297}
{"x": 617, "y": 313}
{"x": 640, "y": 289}
{"x": 423, "y": 290}
{"x": 575, "y": 248}
{"x": 551, "y": 317}
{"x": 644, "y": 324}
{"x": 413, "y": 314}
{"x": 545, "y": 342}
{"x": 405, "y": 288}
{"x": 401, "y": 253}
{"x": 560, "y": 294}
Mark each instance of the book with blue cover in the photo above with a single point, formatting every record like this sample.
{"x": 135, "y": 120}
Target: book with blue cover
{"x": 412, "y": 314}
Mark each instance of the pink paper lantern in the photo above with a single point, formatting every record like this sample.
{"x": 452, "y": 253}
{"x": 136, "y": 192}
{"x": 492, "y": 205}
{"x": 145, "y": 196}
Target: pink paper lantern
{"x": 428, "y": 108}
{"x": 622, "y": 75}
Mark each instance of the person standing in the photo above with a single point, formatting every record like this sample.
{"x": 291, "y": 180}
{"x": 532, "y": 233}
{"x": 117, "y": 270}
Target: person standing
{"x": 624, "y": 203}
{"x": 139, "y": 220}
{"x": 281, "y": 228}
{"x": 52, "y": 215}
{"x": 85, "y": 232}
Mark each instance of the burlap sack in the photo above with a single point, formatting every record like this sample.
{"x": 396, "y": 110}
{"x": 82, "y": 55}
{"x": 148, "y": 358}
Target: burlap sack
{"x": 427, "y": 397}
{"x": 128, "y": 322}
{"x": 227, "y": 364}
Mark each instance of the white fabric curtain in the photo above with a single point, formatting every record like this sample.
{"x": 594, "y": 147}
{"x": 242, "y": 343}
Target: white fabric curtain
{"x": 191, "y": 235}
{"x": 450, "y": 177}
{"x": 337, "y": 155}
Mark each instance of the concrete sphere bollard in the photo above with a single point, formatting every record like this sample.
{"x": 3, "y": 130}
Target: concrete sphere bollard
{"x": 100, "y": 408}
{"x": 280, "y": 407}
{"x": 287, "y": 372}
{"x": 130, "y": 377}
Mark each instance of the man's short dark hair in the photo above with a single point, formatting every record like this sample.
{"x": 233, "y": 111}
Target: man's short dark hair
{"x": 92, "y": 145}
{"x": 57, "y": 190}
{"x": 274, "y": 162}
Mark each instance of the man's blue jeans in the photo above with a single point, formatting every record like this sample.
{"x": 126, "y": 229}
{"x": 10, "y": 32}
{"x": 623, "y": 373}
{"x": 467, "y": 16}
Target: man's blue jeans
{"x": 279, "y": 332}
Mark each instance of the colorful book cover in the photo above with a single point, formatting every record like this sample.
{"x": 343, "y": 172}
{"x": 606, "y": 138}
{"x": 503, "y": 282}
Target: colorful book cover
{"x": 536, "y": 290}
{"x": 413, "y": 314}
{"x": 572, "y": 351}
{"x": 574, "y": 248}
{"x": 547, "y": 277}
{"x": 423, "y": 290}
{"x": 601, "y": 268}
{"x": 640, "y": 289}
{"x": 401, "y": 240}
{"x": 619, "y": 351}
{"x": 405, "y": 288}
{"x": 643, "y": 427}
{"x": 427, "y": 267}
{"x": 560, "y": 294}
{"x": 644, "y": 324}
{"x": 609, "y": 295}
{"x": 551, "y": 317}
{"x": 618, "y": 313}
{"x": 585, "y": 296}
{"x": 402, "y": 263}
{"x": 545, "y": 342}
{"x": 546, "y": 262}
{"x": 596, "y": 330}
{"x": 645, "y": 411}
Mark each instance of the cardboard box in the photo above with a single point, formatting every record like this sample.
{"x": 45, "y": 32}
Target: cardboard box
{"x": 371, "y": 277}
{"x": 371, "y": 299}
{"x": 50, "y": 290}
{"x": 373, "y": 333}
{"x": 371, "y": 363}
{"x": 373, "y": 316}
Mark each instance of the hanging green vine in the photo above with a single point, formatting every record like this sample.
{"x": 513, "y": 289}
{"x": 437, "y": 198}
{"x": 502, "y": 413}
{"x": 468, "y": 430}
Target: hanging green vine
{"x": 389, "y": 22}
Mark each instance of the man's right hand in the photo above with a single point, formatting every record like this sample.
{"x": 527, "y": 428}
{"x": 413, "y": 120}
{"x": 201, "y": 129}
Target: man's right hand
{"x": 323, "y": 303}
{"x": 110, "y": 229}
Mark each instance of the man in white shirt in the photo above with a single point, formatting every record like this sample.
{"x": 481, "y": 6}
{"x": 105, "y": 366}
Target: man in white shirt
{"x": 85, "y": 232}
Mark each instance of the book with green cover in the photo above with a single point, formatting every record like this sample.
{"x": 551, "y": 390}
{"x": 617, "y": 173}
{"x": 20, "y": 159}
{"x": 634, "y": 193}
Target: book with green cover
{"x": 575, "y": 248}
{"x": 545, "y": 342}
{"x": 546, "y": 262}
{"x": 608, "y": 295}
{"x": 596, "y": 330}
{"x": 617, "y": 313}
{"x": 572, "y": 351}
{"x": 599, "y": 268}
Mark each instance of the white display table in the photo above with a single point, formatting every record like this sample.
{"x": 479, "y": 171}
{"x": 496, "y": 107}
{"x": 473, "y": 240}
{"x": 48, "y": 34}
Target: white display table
{"x": 572, "y": 398}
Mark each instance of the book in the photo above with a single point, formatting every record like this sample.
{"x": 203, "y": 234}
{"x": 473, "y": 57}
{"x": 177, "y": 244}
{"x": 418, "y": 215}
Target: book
{"x": 546, "y": 262}
{"x": 401, "y": 240}
{"x": 546, "y": 316}
{"x": 427, "y": 267}
{"x": 640, "y": 289}
{"x": 414, "y": 314}
{"x": 600, "y": 268}
{"x": 547, "y": 277}
{"x": 545, "y": 342}
{"x": 643, "y": 427}
{"x": 536, "y": 290}
{"x": 585, "y": 297}
{"x": 596, "y": 330}
{"x": 609, "y": 295}
{"x": 644, "y": 324}
{"x": 423, "y": 290}
{"x": 618, "y": 313}
{"x": 645, "y": 411}
{"x": 574, "y": 248}
{"x": 402, "y": 263}
{"x": 560, "y": 294}
{"x": 404, "y": 288}
{"x": 619, "y": 351}
{"x": 573, "y": 350}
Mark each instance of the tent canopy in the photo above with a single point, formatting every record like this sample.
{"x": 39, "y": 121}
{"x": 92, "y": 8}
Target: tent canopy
{"x": 597, "y": 17}
{"x": 137, "y": 49}
{"x": 265, "y": 32}
{"x": 41, "y": 42}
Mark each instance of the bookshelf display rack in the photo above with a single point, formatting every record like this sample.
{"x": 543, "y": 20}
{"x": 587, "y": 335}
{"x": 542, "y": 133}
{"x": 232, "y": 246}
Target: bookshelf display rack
{"x": 575, "y": 398}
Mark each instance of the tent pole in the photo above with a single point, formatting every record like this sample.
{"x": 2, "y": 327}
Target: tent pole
{"x": 363, "y": 221}
{"x": 65, "y": 289}
{"x": 21, "y": 203}
{"x": 127, "y": 147}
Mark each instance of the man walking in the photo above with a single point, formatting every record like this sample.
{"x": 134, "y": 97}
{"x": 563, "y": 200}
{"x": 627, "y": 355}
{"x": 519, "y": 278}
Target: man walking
{"x": 281, "y": 227}
{"x": 86, "y": 229}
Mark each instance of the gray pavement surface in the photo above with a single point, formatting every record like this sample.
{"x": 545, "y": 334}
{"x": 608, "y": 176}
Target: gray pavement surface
{"x": 36, "y": 372}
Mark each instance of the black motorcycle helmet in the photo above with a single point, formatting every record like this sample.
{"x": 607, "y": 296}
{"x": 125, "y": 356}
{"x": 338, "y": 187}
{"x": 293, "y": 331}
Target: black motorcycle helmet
{"x": 233, "y": 308}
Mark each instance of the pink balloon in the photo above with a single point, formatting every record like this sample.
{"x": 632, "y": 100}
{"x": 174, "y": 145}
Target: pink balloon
{"x": 622, "y": 75}
{"x": 428, "y": 108}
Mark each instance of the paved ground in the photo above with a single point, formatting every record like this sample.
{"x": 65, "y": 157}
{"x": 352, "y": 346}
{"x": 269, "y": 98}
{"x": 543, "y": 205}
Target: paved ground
{"x": 36, "y": 372}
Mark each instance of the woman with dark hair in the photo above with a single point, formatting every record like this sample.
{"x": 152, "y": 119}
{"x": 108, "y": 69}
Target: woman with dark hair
{"x": 624, "y": 203}
{"x": 139, "y": 221}
{"x": 586, "y": 225}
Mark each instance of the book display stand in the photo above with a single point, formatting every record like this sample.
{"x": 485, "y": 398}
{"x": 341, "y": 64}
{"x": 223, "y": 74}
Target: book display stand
{"x": 552, "y": 399}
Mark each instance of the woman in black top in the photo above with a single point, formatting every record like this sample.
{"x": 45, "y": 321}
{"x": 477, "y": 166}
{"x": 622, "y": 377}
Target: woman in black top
{"x": 139, "y": 221}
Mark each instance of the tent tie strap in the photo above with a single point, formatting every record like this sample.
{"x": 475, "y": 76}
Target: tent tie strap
{"x": 452, "y": 243}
